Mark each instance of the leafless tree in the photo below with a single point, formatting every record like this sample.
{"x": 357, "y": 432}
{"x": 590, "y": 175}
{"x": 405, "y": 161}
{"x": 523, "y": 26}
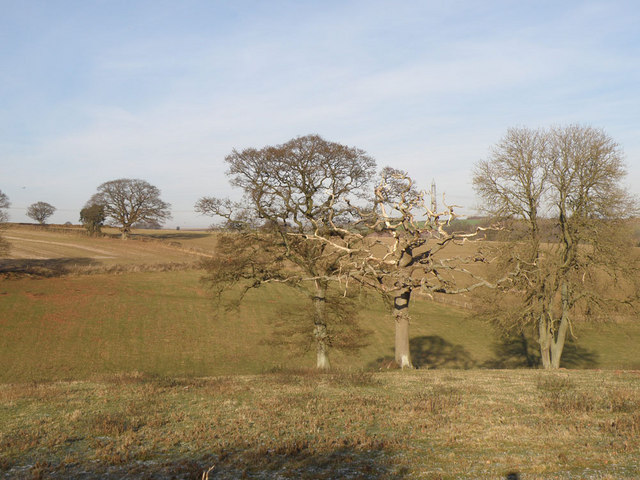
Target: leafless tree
{"x": 40, "y": 211}
{"x": 128, "y": 201}
{"x": 4, "y": 204}
{"x": 571, "y": 175}
{"x": 405, "y": 248}
{"x": 289, "y": 228}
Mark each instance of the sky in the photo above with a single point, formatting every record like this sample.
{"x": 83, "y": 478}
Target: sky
{"x": 96, "y": 90}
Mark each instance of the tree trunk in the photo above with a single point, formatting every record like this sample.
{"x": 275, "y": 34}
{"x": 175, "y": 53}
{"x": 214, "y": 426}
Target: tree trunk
{"x": 552, "y": 343}
{"x": 561, "y": 337}
{"x": 401, "y": 317}
{"x": 320, "y": 331}
{"x": 544, "y": 332}
{"x": 556, "y": 353}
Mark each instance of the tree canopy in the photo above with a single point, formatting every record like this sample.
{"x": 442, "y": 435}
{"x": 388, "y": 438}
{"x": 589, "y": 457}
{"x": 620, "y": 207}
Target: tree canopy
{"x": 93, "y": 217}
{"x": 402, "y": 247}
{"x": 311, "y": 214}
{"x": 297, "y": 199}
{"x": 40, "y": 211}
{"x": 128, "y": 201}
{"x": 573, "y": 176}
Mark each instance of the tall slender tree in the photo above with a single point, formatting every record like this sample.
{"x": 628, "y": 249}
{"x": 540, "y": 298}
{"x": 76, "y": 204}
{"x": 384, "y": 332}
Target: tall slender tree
{"x": 584, "y": 266}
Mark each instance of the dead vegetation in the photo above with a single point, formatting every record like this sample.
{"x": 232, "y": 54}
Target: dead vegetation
{"x": 305, "y": 424}
{"x": 51, "y": 268}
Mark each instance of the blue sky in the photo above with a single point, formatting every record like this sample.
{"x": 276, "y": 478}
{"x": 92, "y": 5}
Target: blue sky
{"x": 94, "y": 90}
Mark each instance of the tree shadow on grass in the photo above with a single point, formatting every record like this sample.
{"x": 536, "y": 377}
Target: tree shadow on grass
{"x": 522, "y": 351}
{"x": 375, "y": 464}
{"x": 517, "y": 351}
{"x": 431, "y": 351}
{"x": 514, "y": 351}
{"x": 49, "y": 267}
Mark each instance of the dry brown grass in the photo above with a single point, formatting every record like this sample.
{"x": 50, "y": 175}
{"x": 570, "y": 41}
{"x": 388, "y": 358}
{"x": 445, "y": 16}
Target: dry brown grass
{"x": 303, "y": 424}
{"x": 50, "y": 250}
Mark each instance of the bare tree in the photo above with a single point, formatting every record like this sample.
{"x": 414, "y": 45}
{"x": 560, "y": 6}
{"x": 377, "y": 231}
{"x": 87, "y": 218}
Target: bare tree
{"x": 4, "y": 204}
{"x": 290, "y": 223}
{"x": 405, "y": 249}
{"x": 585, "y": 269}
{"x": 128, "y": 201}
{"x": 40, "y": 211}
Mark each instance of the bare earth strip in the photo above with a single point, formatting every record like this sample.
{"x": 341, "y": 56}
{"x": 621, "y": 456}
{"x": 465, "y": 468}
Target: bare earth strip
{"x": 31, "y": 244}
{"x": 71, "y": 245}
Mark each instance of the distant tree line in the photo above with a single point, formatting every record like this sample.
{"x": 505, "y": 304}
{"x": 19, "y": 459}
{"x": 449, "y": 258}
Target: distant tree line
{"x": 124, "y": 203}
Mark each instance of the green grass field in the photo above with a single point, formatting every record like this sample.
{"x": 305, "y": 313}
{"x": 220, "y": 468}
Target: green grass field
{"x": 165, "y": 323}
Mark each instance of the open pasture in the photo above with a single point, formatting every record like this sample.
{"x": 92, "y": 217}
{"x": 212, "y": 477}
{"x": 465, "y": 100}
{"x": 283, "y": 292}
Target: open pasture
{"x": 165, "y": 323}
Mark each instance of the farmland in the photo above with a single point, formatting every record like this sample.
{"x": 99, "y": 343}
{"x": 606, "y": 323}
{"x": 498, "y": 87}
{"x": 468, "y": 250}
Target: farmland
{"x": 117, "y": 363}
{"x": 69, "y": 250}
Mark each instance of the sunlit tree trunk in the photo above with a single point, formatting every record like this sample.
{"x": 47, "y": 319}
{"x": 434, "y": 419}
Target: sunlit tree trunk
{"x": 552, "y": 340}
{"x": 545, "y": 334}
{"x": 320, "y": 330}
{"x": 402, "y": 320}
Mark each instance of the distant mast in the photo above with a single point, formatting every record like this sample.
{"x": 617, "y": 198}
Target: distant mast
{"x": 434, "y": 201}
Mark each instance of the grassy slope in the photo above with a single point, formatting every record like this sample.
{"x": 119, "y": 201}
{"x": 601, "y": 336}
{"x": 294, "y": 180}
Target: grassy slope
{"x": 165, "y": 323}
{"x": 438, "y": 424}
{"x": 162, "y": 323}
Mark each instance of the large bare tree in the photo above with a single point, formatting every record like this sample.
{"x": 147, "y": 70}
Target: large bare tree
{"x": 291, "y": 223}
{"x": 40, "y": 211}
{"x": 583, "y": 265}
{"x": 127, "y": 201}
{"x": 405, "y": 248}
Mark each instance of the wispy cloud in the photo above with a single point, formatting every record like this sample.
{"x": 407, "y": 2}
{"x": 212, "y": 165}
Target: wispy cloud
{"x": 165, "y": 92}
